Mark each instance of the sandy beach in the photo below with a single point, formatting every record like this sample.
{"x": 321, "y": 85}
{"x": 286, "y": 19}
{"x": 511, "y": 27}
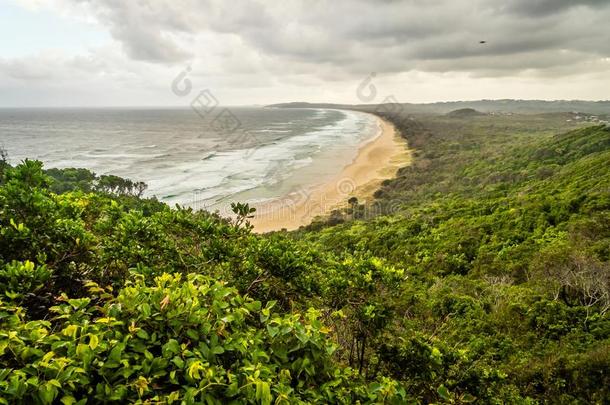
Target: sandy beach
{"x": 377, "y": 159}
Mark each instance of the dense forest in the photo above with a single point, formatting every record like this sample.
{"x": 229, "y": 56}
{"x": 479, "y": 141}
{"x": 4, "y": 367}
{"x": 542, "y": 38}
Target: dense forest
{"x": 479, "y": 274}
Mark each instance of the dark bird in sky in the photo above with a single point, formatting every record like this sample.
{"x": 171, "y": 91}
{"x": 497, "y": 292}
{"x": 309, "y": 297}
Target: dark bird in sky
{"x": 482, "y": 42}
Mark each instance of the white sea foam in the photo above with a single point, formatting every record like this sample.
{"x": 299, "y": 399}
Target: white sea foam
{"x": 244, "y": 170}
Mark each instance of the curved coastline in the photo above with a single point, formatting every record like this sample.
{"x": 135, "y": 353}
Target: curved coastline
{"x": 377, "y": 159}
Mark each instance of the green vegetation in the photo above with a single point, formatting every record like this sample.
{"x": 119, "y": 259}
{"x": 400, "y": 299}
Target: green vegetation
{"x": 464, "y": 112}
{"x": 71, "y": 179}
{"x": 479, "y": 274}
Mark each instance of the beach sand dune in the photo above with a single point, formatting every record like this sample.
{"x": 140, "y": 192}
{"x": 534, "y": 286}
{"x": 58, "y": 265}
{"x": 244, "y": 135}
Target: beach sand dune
{"x": 377, "y": 159}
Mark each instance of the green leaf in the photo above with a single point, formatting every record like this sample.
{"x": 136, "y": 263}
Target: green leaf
{"x": 79, "y": 303}
{"x": 47, "y": 392}
{"x": 68, "y": 400}
{"x": 114, "y": 358}
{"x": 178, "y": 362}
{"x": 194, "y": 370}
{"x": 93, "y": 341}
{"x": 142, "y": 334}
{"x": 171, "y": 348}
{"x": 145, "y": 309}
{"x": 263, "y": 393}
{"x": 232, "y": 389}
{"x": 273, "y": 330}
{"x": 192, "y": 334}
{"x": 444, "y": 393}
{"x": 85, "y": 353}
{"x": 253, "y": 306}
{"x": 70, "y": 330}
{"x": 468, "y": 398}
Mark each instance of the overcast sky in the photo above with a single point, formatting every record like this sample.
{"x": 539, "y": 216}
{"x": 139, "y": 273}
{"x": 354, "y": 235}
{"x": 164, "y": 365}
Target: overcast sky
{"x": 129, "y": 52}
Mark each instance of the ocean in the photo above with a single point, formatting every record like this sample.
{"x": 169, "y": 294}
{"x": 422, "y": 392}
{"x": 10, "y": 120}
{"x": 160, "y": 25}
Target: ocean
{"x": 247, "y": 154}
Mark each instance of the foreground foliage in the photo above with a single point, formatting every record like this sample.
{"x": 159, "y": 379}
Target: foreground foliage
{"x": 172, "y": 341}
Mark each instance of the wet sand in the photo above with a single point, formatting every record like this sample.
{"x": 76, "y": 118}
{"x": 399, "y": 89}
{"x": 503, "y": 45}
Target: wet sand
{"x": 377, "y": 159}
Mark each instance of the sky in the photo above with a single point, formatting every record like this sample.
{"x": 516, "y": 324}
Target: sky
{"x": 251, "y": 52}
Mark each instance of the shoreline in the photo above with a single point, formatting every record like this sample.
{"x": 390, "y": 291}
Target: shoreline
{"x": 377, "y": 159}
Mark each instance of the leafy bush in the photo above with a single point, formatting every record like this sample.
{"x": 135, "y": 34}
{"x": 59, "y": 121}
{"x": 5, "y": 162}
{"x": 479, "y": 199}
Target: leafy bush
{"x": 172, "y": 340}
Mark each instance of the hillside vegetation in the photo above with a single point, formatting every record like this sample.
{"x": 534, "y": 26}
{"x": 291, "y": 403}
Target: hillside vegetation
{"x": 506, "y": 105}
{"x": 479, "y": 274}
{"x": 464, "y": 112}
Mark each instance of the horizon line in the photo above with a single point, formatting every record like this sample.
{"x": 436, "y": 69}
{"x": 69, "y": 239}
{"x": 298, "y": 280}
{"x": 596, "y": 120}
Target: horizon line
{"x": 6, "y": 107}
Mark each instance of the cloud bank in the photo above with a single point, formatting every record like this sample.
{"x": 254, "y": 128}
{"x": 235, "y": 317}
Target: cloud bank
{"x": 277, "y": 51}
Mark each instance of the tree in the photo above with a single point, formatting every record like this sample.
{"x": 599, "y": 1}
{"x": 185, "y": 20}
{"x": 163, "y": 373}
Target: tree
{"x": 3, "y": 162}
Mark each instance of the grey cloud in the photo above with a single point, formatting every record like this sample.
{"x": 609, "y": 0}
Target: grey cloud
{"x": 22, "y": 70}
{"x": 399, "y": 36}
{"x": 49, "y": 67}
{"x": 149, "y": 46}
{"x": 324, "y": 37}
{"x": 539, "y": 8}
{"x": 145, "y": 28}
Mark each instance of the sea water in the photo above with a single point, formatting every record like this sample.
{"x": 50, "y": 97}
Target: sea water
{"x": 187, "y": 159}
